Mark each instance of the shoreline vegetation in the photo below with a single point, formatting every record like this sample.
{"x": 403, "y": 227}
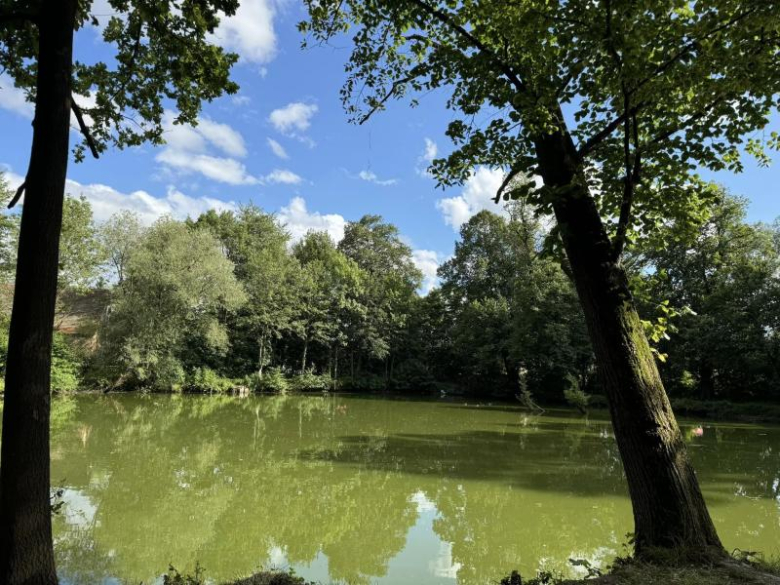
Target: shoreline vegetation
{"x": 738, "y": 570}
{"x": 259, "y": 313}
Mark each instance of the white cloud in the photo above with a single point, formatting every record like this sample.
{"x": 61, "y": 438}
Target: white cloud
{"x": 250, "y": 31}
{"x": 371, "y": 177}
{"x": 478, "y": 193}
{"x": 299, "y": 220}
{"x": 430, "y": 152}
{"x": 278, "y": 149}
{"x": 190, "y": 149}
{"x": 221, "y": 169}
{"x": 241, "y": 100}
{"x": 427, "y": 261}
{"x": 293, "y": 118}
{"x": 283, "y": 176}
{"x": 222, "y": 136}
{"x": 13, "y": 99}
{"x": 106, "y": 201}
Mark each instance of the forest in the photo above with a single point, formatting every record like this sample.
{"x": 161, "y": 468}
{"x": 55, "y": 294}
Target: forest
{"x": 226, "y": 302}
{"x": 614, "y": 283}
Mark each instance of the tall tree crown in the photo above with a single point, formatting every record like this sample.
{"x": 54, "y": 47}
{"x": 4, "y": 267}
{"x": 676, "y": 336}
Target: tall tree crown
{"x": 648, "y": 90}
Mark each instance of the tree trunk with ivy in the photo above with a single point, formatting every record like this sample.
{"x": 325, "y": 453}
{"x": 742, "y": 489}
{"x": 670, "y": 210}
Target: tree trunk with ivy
{"x": 26, "y": 551}
{"x": 669, "y": 509}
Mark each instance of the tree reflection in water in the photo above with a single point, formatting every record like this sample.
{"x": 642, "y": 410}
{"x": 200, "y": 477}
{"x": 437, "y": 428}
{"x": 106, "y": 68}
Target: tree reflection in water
{"x": 364, "y": 490}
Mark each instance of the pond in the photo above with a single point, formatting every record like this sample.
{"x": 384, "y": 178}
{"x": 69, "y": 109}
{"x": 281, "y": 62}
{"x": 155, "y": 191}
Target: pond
{"x": 366, "y": 490}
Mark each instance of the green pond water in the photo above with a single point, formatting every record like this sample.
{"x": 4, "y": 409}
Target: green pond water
{"x": 356, "y": 490}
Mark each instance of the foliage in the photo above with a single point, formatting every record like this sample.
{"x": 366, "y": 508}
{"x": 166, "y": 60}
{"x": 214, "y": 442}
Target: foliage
{"x": 652, "y": 90}
{"x": 204, "y": 379}
{"x": 174, "y": 577}
{"x": 720, "y": 283}
{"x": 81, "y": 254}
{"x": 505, "y": 320}
{"x": 158, "y": 52}
{"x": 65, "y": 365}
{"x": 274, "y": 381}
{"x": 178, "y": 282}
{"x": 118, "y": 237}
{"x": 575, "y": 396}
{"x": 309, "y": 381}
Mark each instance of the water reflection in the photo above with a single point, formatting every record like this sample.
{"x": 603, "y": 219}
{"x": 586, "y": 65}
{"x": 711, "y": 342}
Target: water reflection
{"x": 364, "y": 491}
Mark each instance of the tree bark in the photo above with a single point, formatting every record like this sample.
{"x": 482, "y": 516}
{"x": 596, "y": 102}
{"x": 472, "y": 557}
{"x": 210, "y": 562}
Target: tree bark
{"x": 305, "y": 351}
{"x": 26, "y": 551}
{"x": 669, "y": 509}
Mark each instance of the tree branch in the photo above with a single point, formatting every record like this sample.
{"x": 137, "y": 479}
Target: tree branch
{"x": 592, "y": 142}
{"x": 445, "y": 19}
{"x": 397, "y": 84}
{"x": 84, "y": 128}
{"x": 18, "y": 195}
{"x": 693, "y": 118}
{"x": 629, "y": 186}
{"x": 505, "y": 183}
{"x": 688, "y": 47}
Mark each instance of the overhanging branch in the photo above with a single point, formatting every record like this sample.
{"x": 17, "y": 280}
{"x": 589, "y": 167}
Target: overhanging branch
{"x": 84, "y": 128}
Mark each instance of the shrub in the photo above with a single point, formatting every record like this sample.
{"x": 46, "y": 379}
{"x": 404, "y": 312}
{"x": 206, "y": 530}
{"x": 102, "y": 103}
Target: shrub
{"x": 309, "y": 381}
{"x": 207, "y": 380}
{"x": 575, "y": 396}
{"x": 65, "y": 365}
{"x": 273, "y": 381}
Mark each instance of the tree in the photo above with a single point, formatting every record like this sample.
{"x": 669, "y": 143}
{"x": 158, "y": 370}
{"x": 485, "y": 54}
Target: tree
{"x": 725, "y": 271}
{"x": 119, "y": 236}
{"x": 81, "y": 254}
{"x": 9, "y": 236}
{"x": 611, "y": 103}
{"x": 177, "y": 284}
{"x": 331, "y": 285}
{"x": 393, "y": 278}
{"x": 160, "y": 51}
{"x": 257, "y": 245}
{"x": 516, "y": 319}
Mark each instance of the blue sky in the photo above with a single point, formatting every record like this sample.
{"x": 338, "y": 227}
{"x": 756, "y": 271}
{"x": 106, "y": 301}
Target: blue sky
{"x": 284, "y": 143}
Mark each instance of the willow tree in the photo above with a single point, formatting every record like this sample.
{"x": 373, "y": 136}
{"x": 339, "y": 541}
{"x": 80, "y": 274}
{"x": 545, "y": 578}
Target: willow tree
{"x": 614, "y": 104}
{"x": 160, "y": 51}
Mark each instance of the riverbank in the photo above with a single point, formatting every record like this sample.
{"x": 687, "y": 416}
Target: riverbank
{"x": 729, "y": 573}
{"x": 628, "y": 573}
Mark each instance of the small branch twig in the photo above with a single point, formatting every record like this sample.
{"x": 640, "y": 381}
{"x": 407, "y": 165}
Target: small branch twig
{"x": 397, "y": 84}
{"x": 505, "y": 183}
{"x": 18, "y": 195}
{"x": 84, "y": 129}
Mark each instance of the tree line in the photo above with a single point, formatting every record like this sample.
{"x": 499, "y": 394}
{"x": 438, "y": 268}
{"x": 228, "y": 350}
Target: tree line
{"x": 226, "y": 301}
{"x": 614, "y": 105}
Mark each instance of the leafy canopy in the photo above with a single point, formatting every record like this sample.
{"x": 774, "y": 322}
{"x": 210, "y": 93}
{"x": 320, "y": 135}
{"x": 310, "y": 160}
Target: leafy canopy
{"x": 161, "y": 51}
{"x": 649, "y": 90}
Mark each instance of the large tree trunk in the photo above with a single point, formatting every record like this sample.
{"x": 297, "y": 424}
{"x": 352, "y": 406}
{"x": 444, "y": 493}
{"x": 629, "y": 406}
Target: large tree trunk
{"x": 26, "y": 552}
{"x": 669, "y": 510}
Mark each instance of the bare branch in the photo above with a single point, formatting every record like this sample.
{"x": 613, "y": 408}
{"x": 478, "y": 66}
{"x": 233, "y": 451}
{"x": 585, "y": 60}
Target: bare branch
{"x": 84, "y": 128}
